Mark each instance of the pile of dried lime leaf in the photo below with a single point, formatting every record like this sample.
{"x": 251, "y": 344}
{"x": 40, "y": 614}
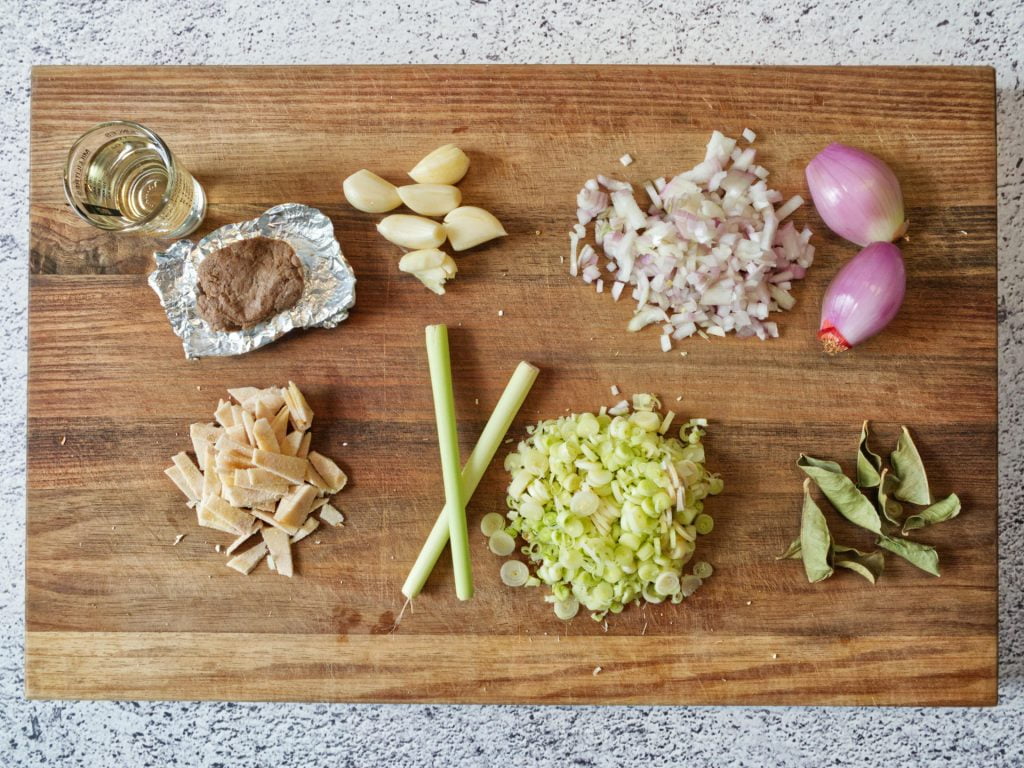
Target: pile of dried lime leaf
{"x": 873, "y": 502}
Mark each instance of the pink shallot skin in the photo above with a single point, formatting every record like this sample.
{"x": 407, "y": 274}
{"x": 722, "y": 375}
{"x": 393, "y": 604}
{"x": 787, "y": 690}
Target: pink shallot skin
{"x": 863, "y": 298}
{"x": 856, "y": 194}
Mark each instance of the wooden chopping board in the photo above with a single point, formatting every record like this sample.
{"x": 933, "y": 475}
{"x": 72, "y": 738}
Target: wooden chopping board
{"x": 114, "y": 610}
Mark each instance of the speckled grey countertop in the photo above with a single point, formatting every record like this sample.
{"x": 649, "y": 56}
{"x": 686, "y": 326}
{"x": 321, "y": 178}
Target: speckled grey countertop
{"x": 464, "y": 31}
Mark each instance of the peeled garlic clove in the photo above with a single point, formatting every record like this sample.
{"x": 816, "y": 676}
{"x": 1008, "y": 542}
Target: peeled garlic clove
{"x": 430, "y": 199}
{"x": 468, "y": 226}
{"x": 413, "y": 232}
{"x": 445, "y": 165}
{"x": 417, "y": 261}
{"x": 432, "y": 267}
{"x": 368, "y": 192}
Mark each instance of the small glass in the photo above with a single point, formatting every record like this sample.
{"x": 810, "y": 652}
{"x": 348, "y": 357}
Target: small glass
{"x": 121, "y": 177}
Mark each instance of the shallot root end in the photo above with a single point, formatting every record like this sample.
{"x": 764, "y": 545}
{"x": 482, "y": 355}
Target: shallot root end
{"x": 833, "y": 341}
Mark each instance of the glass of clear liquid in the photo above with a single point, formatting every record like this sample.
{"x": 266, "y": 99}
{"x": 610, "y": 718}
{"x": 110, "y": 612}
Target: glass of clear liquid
{"x": 121, "y": 177}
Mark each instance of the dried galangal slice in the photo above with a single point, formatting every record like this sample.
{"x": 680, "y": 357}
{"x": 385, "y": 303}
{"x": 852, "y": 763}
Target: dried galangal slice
{"x": 255, "y": 475}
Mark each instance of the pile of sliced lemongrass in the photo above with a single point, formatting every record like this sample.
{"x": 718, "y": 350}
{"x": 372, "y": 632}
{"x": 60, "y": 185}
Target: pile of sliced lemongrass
{"x": 609, "y": 509}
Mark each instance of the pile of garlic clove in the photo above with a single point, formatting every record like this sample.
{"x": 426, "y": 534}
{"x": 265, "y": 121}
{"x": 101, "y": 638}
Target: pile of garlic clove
{"x": 433, "y": 195}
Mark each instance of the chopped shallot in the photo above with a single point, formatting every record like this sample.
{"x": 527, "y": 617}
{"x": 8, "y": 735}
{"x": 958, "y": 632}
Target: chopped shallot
{"x": 709, "y": 254}
{"x": 791, "y": 205}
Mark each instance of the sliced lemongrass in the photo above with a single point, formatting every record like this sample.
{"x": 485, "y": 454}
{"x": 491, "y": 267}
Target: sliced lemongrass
{"x": 650, "y": 595}
{"x": 483, "y": 453}
{"x": 607, "y": 505}
{"x": 448, "y": 441}
{"x": 501, "y": 544}
{"x": 574, "y": 528}
{"x": 689, "y": 584}
{"x": 705, "y": 524}
{"x": 703, "y": 570}
{"x": 666, "y": 422}
{"x": 491, "y": 523}
{"x": 584, "y": 503}
{"x": 667, "y": 583}
{"x": 514, "y": 573}
{"x": 566, "y": 609}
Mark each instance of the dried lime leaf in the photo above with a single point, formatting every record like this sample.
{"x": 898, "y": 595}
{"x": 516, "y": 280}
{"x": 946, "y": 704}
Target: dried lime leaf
{"x": 889, "y": 507}
{"x": 868, "y": 564}
{"x": 828, "y": 466}
{"x": 869, "y": 464}
{"x": 907, "y": 466}
{"x": 842, "y": 493}
{"x": 939, "y": 512}
{"x": 792, "y": 551}
{"x": 921, "y": 555}
{"x": 815, "y": 540}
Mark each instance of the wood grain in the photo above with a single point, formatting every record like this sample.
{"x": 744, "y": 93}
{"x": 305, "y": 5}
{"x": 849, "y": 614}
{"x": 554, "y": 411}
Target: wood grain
{"x": 531, "y": 670}
{"x": 111, "y": 396}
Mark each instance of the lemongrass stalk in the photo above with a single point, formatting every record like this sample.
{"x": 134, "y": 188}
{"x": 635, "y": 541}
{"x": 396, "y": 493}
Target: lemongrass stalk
{"x": 448, "y": 442}
{"x": 501, "y": 418}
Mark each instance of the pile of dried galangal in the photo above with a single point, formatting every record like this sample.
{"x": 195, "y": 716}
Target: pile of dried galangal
{"x": 257, "y": 474}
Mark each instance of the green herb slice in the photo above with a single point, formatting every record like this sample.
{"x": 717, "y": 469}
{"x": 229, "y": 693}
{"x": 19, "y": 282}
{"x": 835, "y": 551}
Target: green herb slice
{"x": 828, "y": 466}
{"x": 815, "y": 540}
{"x": 907, "y": 466}
{"x": 888, "y": 506}
{"x": 868, "y": 564}
{"x": 939, "y": 512}
{"x": 869, "y": 464}
{"x": 842, "y": 493}
{"x": 792, "y": 551}
{"x": 921, "y": 555}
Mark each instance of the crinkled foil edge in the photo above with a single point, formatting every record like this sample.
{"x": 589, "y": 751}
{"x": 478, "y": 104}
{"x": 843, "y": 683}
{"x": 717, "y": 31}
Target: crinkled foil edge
{"x": 328, "y": 293}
